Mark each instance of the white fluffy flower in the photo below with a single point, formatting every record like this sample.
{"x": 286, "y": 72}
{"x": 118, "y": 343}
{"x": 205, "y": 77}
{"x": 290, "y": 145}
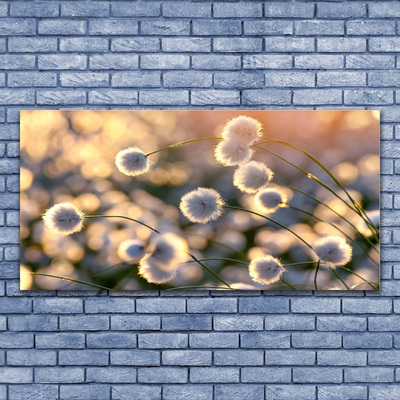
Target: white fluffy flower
{"x": 333, "y": 250}
{"x": 268, "y": 200}
{"x": 132, "y": 161}
{"x": 242, "y": 128}
{"x": 251, "y": 177}
{"x": 152, "y": 270}
{"x": 266, "y": 270}
{"x": 202, "y": 205}
{"x": 169, "y": 250}
{"x": 131, "y": 250}
{"x": 64, "y": 218}
{"x": 232, "y": 152}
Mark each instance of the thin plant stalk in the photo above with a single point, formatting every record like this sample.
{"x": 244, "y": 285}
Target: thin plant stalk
{"x": 362, "y": 283}
{"x": 359, "y": 209}
{"x": 181, "y": 143}
{"x": 338, "y": 229}
{"x": 200, "y": 287}
{"x": 220, "y": 259}
{"x": 359, "y": 276}
{"x": 288, "y": 284}
{"x": 315, "y": 275}
{"x": 338, "y": 276}
{"x": 269, "y": 219}
{"x": 65, "y": 278}
{"x": 331, "y": 209}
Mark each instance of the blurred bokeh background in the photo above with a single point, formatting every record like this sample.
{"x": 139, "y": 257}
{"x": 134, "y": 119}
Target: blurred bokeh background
{"x": 69, "y": 156}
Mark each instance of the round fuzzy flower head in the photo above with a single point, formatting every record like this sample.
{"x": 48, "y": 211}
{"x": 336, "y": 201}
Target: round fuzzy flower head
{"x": 251, "y": 177}
{"x": 152, "y": 270}
{"x": 333, "y": 250}
{"x": 244, "y": 129}
{"x": 169, "y": 250}
{"x": 268, "y": 200}
{"x": 202, "y": 205}
{"x": 131, "y": 250}
{"x": 232, "y": 152}
{"x": 63, "y": 218}
{"x": 132, "y": 161}
{"x": 266, "y": 270}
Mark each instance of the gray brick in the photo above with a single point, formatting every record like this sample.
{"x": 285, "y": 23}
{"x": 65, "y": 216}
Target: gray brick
{"x": 137, "y": 79}
{"x": 238, "y": 357}
{"x": 342, "y": 358}
{"x": 111, "y": 340}
{"x": 285, "y": 44}
{"x": 367, "y": 341}
{"x": 240, "y": 323}
{"x": 135, "y": 357}
{"x": 290, "y": 357}
{"x": 384, "y": 10}
{"x": 60, "y": 375}
{"x": 61, "y": 97}
{"x": 262, "y": 96}
{"x": 239, "y": 10}
{"x": 163, "y": 340}
{"x": 113, "y": 27}
{"x": 60, "y": 340}
{"x": 135, "y": 322}
{"x": 289, "y": 392}
{"x": 165, "y": 28}
{"x": 16, "y": 375}
{"x": 83, "y": 357}
{"x": 31, "y": 45}
{"x": 368, "y": 96}
{"x": 345, "y": 392}
{"x": 32, "y": 323}
{"x": 61, "y": 27}
{"x": 96, "y": 391}
{"x": 341, "y": 323}
{"x": 342, "y": 78}
{"x": 186, "y": 79}
{"x": 320, "y": 340}
{"x": 162, "y": 375}
{"x": 214, "y": 375}
{"x": 216, "y": 27}
{"x": 17, "y": 61}
{"x": 121, "y": 392}
{"x": 319, "y": 61}
{"x": 289, "y": 79}
{"x": 387, "y": 44}
{"x": 83, "y": 79}
{"x": 16, "y": 340}
{"x": 214, "y": 339}
{"x": 155, "y": 305}
{"x": 193, "y": 45}
{"x": 369, "y": 61}
{"x": 180, "y": 9}
{"x": 13, "y": 305}
{"x": 325, "y": 306}
{"x": 113, "y": 61}
{"x": 109, "y": 305}
{"x": 317, "y": 375}
{"x": 135, "y": 44}
{"x": 110, "y": 375}
{"x": 346, "y": 10}
{"x": 31, "y": 357}
{"x": 341, "y": 45}
{"x": 36, "y": 9}
{"x": 318, "y": 27}
{"x": 316, "y": 97}
{"x": 386, "y": 323}
{"x": 34, "y": 79}
{"x": 84, "y": 323}
{"x": 157, "y": 98}
{"x": 368, "y": 374}
{"x": 62, "y": 61}
{"x": 164, "y": 61}
{"x": 187, "y": 323}
{"x": 129, "y": 9}
{"x": 289, "y": 323}
{"x": 179, "y": 392}
{"x": 288, "y": 10}
{"x": 210, "y": 97}
{"x": 32, "y": 391}
{"x": 261, "y": 28}
{"x": 365, "y": 27}
{"x": 57, "y": 306}
{"x": 186, "y": 357}
{"x": 85, "y": 9}
{"x": 87, "y": 45}
{"x": 264, "y": 305}
{"x": 384, "y": 357}
{"x": 267, "y": 61}
{"x": 384, "y": 78}
{"x": 19, "y": 26}
{"x": 366, "y": 306}
{"x": 237, "y": 45}
{"x": 235, "y": 392}
{"x": 265, "y": 340}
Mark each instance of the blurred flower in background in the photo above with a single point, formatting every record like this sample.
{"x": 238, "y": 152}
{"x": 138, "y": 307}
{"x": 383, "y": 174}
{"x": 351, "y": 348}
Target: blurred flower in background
{"x": 69, "y": 157}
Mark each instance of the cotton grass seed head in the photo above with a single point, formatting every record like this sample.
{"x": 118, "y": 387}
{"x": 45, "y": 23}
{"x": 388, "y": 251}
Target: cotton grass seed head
{"x": 152, "y": 270}
{"x": 169, "y": 250}
{"x": 266, "y": 270}
{"x": 64, "y": 218}
{"x": 333, "y": 250}
{"x": 268, "y": 200}
{"x": 131, "y": 250}
{"x": 232, "y": 152}
{"x": 251, "y": 177}
{"x": 244, "y": 129}
{"x": 202, "y": 205}
{"x": 132, "y": 161}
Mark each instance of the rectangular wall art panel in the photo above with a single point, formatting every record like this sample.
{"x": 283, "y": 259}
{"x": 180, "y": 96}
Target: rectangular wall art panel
{"x": 222, "y": 200}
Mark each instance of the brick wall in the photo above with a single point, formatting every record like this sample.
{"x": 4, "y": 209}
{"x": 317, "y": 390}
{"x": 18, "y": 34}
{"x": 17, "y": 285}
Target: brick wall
{"x": 245, "y": 54}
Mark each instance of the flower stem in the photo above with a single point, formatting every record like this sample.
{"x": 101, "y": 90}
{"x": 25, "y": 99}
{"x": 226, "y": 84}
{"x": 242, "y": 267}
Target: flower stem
{"x": 299, "y": 263}
{"x": 220, "y": 259}
{"x": 269, "y": 219}
{"x": 65, "y": 278}
{"x": 181, "y": 143}
{"x": 340, "y": 279}
{"x": 199, "y": 287}
{"x": 288, "y": 284}
{"x": 121, "y": 216}
{"x": 359, "y": 276}
{"x": 316, "y": 273}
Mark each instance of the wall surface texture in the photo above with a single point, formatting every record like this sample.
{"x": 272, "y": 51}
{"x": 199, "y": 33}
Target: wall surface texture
{"x": 209, "y": 345}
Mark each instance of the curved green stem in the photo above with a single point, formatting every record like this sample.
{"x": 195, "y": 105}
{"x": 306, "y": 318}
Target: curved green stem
{"x": 220, "y": 259}
{"x": 337, "y": 228}
{"x": 270, "y": 219}
{"x": 315, "y": 276}
{"x": 66, "y": 278}
{"x": 359, "y": 276}
{"x": 331, "y": 209}
{"x": 123, "y": 217}
{"x": 340, "y": 279}
{"x": 362, "y": 283}
{"x": 299, "y": 263}
{"x": 181, "y": 143}
{"x": 288, "y": 284}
